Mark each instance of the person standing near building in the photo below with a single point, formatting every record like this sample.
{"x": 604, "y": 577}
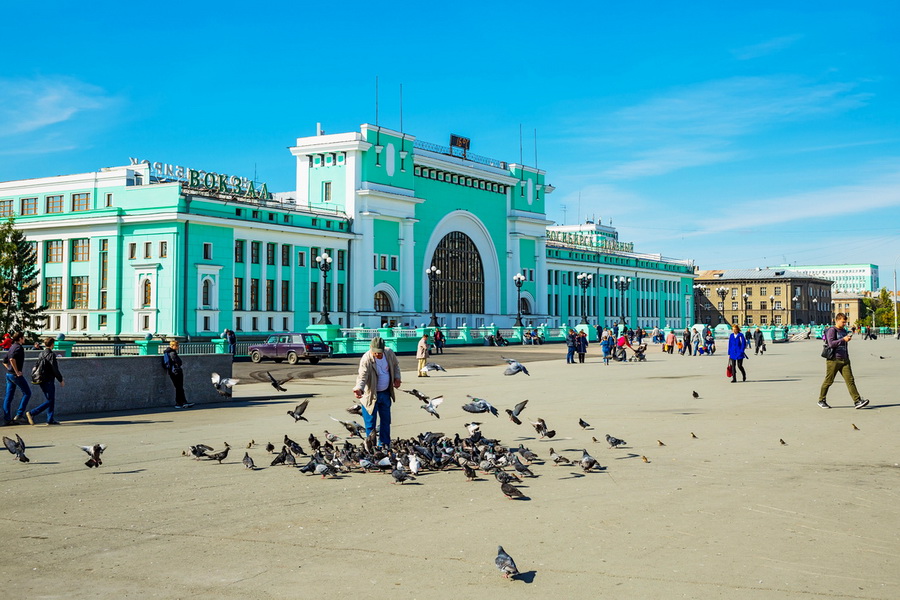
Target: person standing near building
{"x": 231, "y": 340}
{"x": 378, "y": 376}
{"x": 422, "y": 354}
{"x": 571, "y": 342}
{"x": 48, "y": 374}
{"x": 686, "y": 339}
{"x": 670, "y": 341}
{"x": 14, "y": 361}
{"x": 175, "y": 369}
{"x": 759, "y": 342}
{"x": 737, "y": 347}
{"x": 438, "y": 341}
{"x": 837, "y": 339}
{"x": 581, "y": 345}
{"x": 606, "y": 345}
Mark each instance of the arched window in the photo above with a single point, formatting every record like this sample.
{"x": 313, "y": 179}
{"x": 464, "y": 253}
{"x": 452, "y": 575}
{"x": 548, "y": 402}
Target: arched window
{"x": 382, "y": 302}
{"x": 525, "y": 306}
{"x": 147, "y": 293}
{"x": 460, "y": 286}
{"x": 207, "y": 293}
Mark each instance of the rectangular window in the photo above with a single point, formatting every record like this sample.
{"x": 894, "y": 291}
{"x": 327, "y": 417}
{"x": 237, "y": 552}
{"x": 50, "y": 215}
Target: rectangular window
{"x": 270, "y": 294}
{"x": 254, "y": 294}
{"x": 383, "y": 258}
{"x": 778, "y": 291}
{"x": 239, "y": 251}
{"x": 238, "y": 294}
{"x": 53, "y": 293}
{"x": 55, "y": 251}
{"x": 132, "y": 251}
{"x": 148, "y": 249}
{"x": 254, "y": 253}
{"x": 340, "y": 260}
{"x": 81, "y": 250}
{"x": 81, "y": 201}
{"x": 375, "y": 262}
{"x": 763, "y": 319}
{"x": 393, "y": 263}
{"x": 313, "y": 296}
{"x": 340, "y": 297}
{"x": 54, "y": 204}
{"x": 777, "y": 319}
{"x": 269, "y": 323}
{"x": 326, "y": 191}
{"x": 734, "y": 306}
{"x": 101, "y": 321}
{"x": 79, "y": 292}
{"x": 285, "y": 296}
{"x": 255, "y": 322}
{"x": 763, "y": 305}
{"x": 778, "y": 305}
{"x": 762, "y": 291}
{"x": 145, "y": 323}
{"x": 313, "y": 254}
{"x": 109, "y": 200}
{"x": 270, "y": 254}
{"x": 29, "y": 206}
{"x": 103, "y": 299}
{"x": 206, "y": 323}
{"x": 301, "y": 259}
{"x": 207, "y": 250}
{"x": 284, "y": 323}
{"x": 285, "y": 255}
{"x": 164, "y": 249}
{"x": 749, "y": 291}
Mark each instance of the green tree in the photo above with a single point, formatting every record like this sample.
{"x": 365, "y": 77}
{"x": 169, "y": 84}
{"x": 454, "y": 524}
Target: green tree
{"x": 19, "y": 308}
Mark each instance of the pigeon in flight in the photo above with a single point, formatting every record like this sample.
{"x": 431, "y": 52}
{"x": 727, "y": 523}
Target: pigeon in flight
{"x": 200, "y": 450}
{"x": 479, "y": 405}
{"x": 432, "y": 405}
{"x": 541, "y": 428}
{"x": 94, "y": 452}
{"x": 16, "y": 448}
{"x": 588, "y": 462}
{"x": 473, "y": 427}
{"x": 514, "y": 367}
{"x": 278, "y": 384}
{"x": 514, "y": 413}
{"x": 584, "y": 424}
{"x": 433, "y": 367}
{"x": 354, "y": 428}
{"x": 223, "y": 385}
{"x": 414, "y": 392}
{"x": 505, "y": 563}
{"x": 614, "y": 442}
{"x": 297, "y": 413}
{"x": 248, "y": 462}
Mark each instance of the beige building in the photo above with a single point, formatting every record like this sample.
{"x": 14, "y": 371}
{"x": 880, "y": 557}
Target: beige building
{"x": 762, "y": 297}
{"x": 849, "y": 303}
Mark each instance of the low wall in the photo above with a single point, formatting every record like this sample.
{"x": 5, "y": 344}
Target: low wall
{"x": 117, "y": 383}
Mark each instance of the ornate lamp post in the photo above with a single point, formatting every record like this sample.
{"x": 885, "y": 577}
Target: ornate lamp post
{"x": 722, "y": 292}
{"x": 699, "y": 290}
{"x": 746, "y": 297}
{"x": 772, "y": 309}
{"x": 518, "y": 279}
{"x": 622, "y": 284}
{"x": 815, "y": 303}
{"x": 793, "y": 312}
{"x": 325, "y": 265}
{"x": 432, "y": 273}
{"x": 584, "y": 280}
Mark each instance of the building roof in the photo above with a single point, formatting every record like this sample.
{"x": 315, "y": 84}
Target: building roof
{"x": 760, "y": 274}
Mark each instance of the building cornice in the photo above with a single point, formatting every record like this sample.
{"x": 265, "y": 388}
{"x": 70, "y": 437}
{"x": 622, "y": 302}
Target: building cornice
{"x": 433, "y": 160}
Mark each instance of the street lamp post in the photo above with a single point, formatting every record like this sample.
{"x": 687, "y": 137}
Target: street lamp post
{"x": 722, "y": 292}
{"x": 324, "y": 265}
{"x": 432, "y": 273}
{"x": 746, "y": 297}
{"x": 793, "y": 311}
{"x": 518, "y": 279}
{"x": 815, "y": 319}
{"x": 699, "y": 290}
{"x": 584, "y": 280}
{"x": 772, "y": 308}
{"x": 622, "y": 284}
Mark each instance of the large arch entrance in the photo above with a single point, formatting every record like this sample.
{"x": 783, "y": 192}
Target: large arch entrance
{"x": 460, "y": 286}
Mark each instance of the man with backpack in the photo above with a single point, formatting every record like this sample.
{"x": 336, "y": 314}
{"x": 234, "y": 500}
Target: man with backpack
{"x": 174, "y": 367}
{"x": 45, "y": 373}
{"x": 14, "y": 361}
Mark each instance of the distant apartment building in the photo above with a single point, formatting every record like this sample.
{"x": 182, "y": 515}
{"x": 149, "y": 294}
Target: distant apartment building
{"x": 846, "y": 278}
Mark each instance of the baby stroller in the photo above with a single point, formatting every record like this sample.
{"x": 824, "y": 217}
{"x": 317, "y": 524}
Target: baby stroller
{"x": 639, "y": 352}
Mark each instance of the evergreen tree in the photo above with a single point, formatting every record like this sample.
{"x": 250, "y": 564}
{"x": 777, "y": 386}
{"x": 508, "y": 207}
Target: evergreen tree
{"x": 19, "y": 308}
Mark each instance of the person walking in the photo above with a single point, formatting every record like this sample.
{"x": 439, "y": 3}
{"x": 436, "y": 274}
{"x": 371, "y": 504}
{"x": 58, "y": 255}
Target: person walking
{"x": 422, "y": 354}
{"x": 695, "y": 336}
{"x": 438, "y": 341}
{"x": 686, "y": 339}
{"x": 48, "y": 374}
{"x": 670, "y": 341}
{"x": 581, "y": 345}
{"x": 378, "y": 376}
{"x": 837, "y": 338}
{"x": 571, "y": 341}
{"x": 737, "y": 347}
{"x": 175, "y": 368}
{"x": 231, "y": 340}
{"x": 14, "y": 361}
{"x": 606, "y": 345}
{"x": 759, "y": 342}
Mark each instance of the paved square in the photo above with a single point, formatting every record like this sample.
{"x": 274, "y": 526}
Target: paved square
{"x": 730, "y": 514}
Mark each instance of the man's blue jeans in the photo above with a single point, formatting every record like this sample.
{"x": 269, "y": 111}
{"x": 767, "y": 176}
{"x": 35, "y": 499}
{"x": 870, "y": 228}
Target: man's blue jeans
{"x": 49, "y": 389}
{"x": 381, "y": 411}
{"x": 13, "y": 382}
{"x": 570, "y": 354}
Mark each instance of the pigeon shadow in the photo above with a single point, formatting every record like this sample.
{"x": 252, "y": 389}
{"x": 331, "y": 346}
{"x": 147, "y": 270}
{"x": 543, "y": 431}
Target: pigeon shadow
{"x": 269, "y": 399}
{"x": 527, "y": 576}
{"x": 124, "y": 472}
{"x": 629, "y": 455}
{"x": 522, "y": 498}
{"x": 772, "y": 380}
{"x": 42, "y": 462}
{"x": 574, "y": 475}
{"x": 125, "y": 422}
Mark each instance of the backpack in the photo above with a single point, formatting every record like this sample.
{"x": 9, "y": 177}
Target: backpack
{"x": 41, "y": 371}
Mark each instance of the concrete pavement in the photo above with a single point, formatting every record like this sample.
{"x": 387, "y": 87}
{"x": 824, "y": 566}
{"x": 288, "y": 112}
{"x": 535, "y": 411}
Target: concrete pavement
{"x": 730, "y": 514}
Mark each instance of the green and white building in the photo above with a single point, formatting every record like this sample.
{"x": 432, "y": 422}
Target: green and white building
{"x": 158, "y": 248}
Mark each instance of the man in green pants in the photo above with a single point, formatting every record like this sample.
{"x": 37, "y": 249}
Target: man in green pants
{"x": 837, "y": 338}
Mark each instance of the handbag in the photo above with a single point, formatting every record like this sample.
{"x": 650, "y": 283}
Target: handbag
{"x": 728, "y": 372}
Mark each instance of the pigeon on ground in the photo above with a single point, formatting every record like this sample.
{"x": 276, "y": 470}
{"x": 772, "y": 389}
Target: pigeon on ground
{"x": 270, "y": 447}
{"x": 414, "y": 392}
{"x": 541, "y": 428}
{"x": 433, "y": 367}
{"x": 695, "y": 394}
{"x": 514, "y": 367}
{"x": 280, "y": 458}
{"x": 94, "y": 452}
{"x": 644, "y": 458}
{"x": 324, "y": 469}
{"x": 694, "y": 435}
{"x": 16, "y": 448}
{"x": 558, "y": 459}
{"x": 783, "y": 443}
{"x": 278, "y": 383}
{"x": 220, "y": 456}
{"x": 223, "y": 385}
{"x": 588, "y": 462}
{"x": 470, "y": 473}
{"x": 248, "y": 462}
{"x": 584, "y": 424}
{"x": 289, "y": 459}
{"x": 200, "y": 450}
{"x": 595, "y": 440}
{"x": 510, "y": 491}
{"x": 432, "y": 405}
{"x": 505, "y": 563}
{"x": 614, "y": 442}
{"x": 526, "y": 453}
{"x": 660, "y": 442}
{"x": 519, "y": 466}
{"x": 294, "y": 447}
{"x": 331, "y": 437}
{"x": 400, "y": 475}
{"x": 855, "y": 427}
{"x": 479, "y": 405}
{"x": 297, "y": 413}
{"x": 514, "y": 413}
{"x": 504, "y": 477}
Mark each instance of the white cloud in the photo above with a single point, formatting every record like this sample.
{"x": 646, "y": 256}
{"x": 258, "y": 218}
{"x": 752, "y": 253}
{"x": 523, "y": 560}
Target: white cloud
{"x": 32, "y": 105}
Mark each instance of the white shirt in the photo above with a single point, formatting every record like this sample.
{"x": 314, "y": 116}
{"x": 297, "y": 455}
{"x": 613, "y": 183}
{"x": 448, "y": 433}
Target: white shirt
{"x": 384, "y": 375}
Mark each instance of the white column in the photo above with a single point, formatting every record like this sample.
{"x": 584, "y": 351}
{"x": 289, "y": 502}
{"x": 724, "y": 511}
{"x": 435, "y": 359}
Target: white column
{"x": 303, "y": 179}
{"x": 540, "y": 247}
{"x": 363, "y": 275}
{"x": 277, "y": 290}
{"x": 515, "y": 266}
{"x": 408, "y": 272}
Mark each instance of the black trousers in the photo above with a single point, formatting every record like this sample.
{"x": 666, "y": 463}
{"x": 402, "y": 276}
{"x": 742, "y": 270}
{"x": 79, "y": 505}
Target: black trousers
{"x": 735, "y": 365}
{"x": 178, "y": 382}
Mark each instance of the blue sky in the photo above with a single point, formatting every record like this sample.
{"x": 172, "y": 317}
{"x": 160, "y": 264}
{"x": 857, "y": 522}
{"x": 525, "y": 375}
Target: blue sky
{"x": 735, "y": 137}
